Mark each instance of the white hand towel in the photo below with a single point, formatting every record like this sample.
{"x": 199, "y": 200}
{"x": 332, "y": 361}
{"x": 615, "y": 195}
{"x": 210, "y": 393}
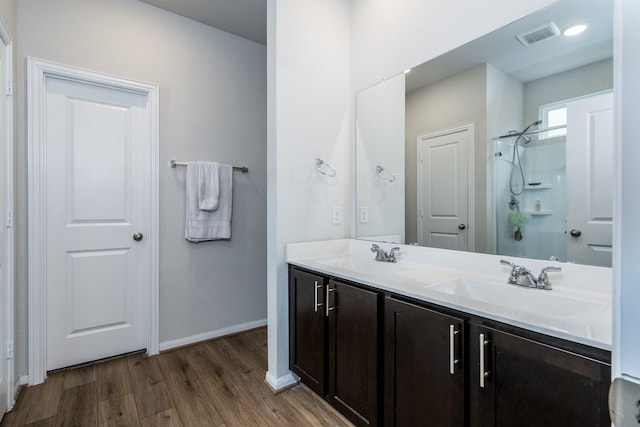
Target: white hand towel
{"x": 208, "y": 225}
{"x": 208, "y": 186}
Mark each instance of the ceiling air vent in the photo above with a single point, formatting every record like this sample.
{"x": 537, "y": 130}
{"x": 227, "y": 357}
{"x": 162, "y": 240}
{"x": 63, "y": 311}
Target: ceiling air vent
{"x": 538, "y": 34}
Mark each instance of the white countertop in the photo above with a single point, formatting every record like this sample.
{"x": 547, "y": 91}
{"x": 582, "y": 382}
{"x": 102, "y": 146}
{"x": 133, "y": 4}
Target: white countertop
{"x": 578, "y": 308}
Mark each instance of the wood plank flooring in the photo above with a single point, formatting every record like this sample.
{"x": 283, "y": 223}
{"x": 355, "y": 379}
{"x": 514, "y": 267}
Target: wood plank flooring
{"x": 217, "y": 383}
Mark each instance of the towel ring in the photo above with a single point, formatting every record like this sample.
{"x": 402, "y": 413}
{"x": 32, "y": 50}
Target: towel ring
{"x": 328, "y": 170}
{"x": 384, "y": 174}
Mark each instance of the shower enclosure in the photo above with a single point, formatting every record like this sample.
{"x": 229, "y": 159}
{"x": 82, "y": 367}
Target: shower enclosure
{"x": 530, "y": 196}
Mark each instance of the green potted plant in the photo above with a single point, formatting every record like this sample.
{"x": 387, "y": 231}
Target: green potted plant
{"x": 518, "y": 220}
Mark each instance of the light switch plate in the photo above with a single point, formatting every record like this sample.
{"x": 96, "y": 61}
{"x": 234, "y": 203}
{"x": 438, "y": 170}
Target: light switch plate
{"x": 336, "y": 215}
{"x": 364, "y": 214}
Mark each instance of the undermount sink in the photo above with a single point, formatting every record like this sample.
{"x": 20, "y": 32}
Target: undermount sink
{"x": 538, "y": 302}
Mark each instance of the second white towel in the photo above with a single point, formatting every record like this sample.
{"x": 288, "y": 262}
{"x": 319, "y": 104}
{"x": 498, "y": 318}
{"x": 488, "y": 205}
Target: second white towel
{"x": 201, "y": 225}
{"x": 208, "y": 186}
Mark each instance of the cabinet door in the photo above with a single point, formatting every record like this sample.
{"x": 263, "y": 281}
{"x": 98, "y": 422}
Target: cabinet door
{"x": 424, "y": 373}
{"x": 307, "y": 354}
{"x": 531, "y": 384}
{"x": 353, "y": 352}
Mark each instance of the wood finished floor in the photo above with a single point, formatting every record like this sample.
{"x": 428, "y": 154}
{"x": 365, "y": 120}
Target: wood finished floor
{"x": 215, "y": 383}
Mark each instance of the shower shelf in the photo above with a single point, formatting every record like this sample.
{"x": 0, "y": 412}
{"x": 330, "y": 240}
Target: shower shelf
{"x": 538, "y": 187}
{"x": 538, "y": 213}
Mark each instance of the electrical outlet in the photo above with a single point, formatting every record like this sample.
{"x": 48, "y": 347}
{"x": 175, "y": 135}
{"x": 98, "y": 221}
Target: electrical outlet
{"x": 336, "y": 215}
{"x": 364, "y": 214}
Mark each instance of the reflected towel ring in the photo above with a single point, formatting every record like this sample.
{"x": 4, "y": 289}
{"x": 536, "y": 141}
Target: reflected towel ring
{"x": 384, "y": 174}
{"x": 328, "y": 170}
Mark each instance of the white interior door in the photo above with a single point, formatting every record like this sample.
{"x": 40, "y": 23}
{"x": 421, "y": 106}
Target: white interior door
{"x": 590, "y": 180}
{"x": 443, "y": 189}
{"x": 6, "y": 223}
{"x": 97, "y": 176}
{"x": 4, "y": 247}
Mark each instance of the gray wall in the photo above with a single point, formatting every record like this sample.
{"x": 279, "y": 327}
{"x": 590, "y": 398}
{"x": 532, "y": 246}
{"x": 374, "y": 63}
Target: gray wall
{"x": 580, "y": 81}
{"x": 212, "y": 107}
{"x": 447, "y": 104}
{"x": 8, "y": 14}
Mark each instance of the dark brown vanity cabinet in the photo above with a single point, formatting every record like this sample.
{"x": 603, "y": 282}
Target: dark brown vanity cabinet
{"x": 334, "y": 343}
{"x": 518, "y": 381}
{"x": 424, "y": 369}
{"x": 307, "y": 328}
{"x": 353, "y": 350}
{"x": 382, "y": 358}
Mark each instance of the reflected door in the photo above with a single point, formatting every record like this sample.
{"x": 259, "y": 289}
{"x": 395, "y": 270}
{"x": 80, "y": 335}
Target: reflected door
{"x": 590, "y": 180}
{"x": 96, "y": 203}
{"x": 443, "y": 189}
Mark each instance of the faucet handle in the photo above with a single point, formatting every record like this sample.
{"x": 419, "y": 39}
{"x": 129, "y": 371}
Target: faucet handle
{"x": 509, "y": 263}
{"x": 519, "y": 269}
{"x": 374, "y": 247}
{"x": 392, "y": 254}
{"x": 516, "y": 271}
{"x": 543, "y": 279}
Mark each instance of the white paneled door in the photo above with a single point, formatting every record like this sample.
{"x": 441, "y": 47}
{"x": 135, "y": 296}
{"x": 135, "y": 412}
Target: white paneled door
{"x": 3, "y": 261}
{"x": 96, "y": 203}
{"x": 6, "y": 224}
{"x": 443, "y": 189}
{"x": 590, "y": 180}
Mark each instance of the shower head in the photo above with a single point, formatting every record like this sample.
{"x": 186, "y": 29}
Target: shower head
{"x": 536, "y": 123}
{"x": 527, "y": 139}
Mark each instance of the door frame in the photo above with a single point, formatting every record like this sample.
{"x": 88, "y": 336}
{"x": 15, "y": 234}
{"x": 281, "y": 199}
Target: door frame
{"x": 471, "y": 219}
{"x": 37, "y": 72}
{"x": 6, "y": 145}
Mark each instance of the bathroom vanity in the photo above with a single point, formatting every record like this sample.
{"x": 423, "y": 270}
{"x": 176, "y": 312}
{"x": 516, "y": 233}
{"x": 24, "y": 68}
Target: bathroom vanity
{"x": 410, "y": 344}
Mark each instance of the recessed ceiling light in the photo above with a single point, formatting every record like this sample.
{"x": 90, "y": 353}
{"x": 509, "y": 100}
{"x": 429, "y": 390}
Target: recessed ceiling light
{"x": 574, "y": 30}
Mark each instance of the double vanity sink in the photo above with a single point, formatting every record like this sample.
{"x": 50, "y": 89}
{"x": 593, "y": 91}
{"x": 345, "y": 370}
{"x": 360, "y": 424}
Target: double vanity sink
{"x": 574, "y": 309}
{"x": 442, "y": 338}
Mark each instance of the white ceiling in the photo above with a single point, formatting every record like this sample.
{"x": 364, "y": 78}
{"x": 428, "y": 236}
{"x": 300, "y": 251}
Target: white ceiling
{"x": 244, "y": 18}
{"x": 248, "y": 19}
{"x": 526, "y": 63}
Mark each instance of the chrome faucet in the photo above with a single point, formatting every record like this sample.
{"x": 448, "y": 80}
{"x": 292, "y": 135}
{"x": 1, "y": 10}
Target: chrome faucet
{"x": 522, "y": 276}
{"x": 382, "y": 255}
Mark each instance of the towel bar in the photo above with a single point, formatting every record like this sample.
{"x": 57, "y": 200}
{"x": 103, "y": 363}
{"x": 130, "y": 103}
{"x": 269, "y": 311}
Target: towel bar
{"x": 175, "y": 163}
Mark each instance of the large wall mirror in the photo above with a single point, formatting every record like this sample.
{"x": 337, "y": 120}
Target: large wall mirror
{"x": 503, "y": 145}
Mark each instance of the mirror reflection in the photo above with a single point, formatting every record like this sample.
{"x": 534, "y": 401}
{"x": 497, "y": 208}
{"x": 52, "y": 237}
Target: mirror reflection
{"x": 503, "y": 145}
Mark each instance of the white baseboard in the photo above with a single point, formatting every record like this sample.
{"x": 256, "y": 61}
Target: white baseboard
{"x": 181, "y": 342}
{"x": 282, "y": 383}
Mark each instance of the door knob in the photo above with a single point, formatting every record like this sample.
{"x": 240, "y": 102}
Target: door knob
{"x": 575, "y": 233}
{"x": 462, "y": 226}
{"x": 137, "y": 236}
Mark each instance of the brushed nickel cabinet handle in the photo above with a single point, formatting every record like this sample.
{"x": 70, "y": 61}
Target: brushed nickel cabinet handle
{"x": 452, "y": 349}
{"x": 315, "y": 297}
{"x": 483, "y": 372}
{"x": 326, "y": 301}
{"x": 138, "y": 236}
